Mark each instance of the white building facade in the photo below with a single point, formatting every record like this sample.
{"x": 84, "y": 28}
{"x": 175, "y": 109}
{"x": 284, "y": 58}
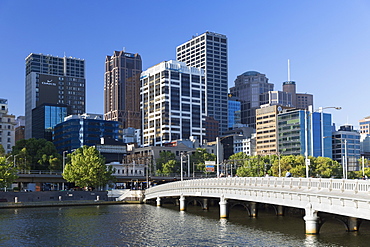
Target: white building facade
{"x": 7, "y": 127}
{"x": 172, "y": 103}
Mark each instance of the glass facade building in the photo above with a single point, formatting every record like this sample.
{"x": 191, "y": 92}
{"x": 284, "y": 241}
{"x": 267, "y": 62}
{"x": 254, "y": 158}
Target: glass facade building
{"x": 45, "y": 118}
{"x": 234, "y": 112}
{"x": 302, "y": 132}
{"x": 86, "y": 129}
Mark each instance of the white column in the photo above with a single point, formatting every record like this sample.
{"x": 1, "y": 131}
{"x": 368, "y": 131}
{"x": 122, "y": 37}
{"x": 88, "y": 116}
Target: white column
{"x": 223, "y": 207}
{"x": 158, "y": 201}
{"x": 311, "y": 219}
{"x": 182, "y": 203}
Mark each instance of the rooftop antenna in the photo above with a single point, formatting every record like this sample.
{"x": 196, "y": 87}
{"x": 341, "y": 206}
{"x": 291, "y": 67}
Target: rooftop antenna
{"x": 124, "y": 49}
{"x": 288, "y": 70}
{"x": 64, "y": 54}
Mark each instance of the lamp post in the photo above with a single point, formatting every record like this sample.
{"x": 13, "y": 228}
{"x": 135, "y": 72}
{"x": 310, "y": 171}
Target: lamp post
{"x": 307, "y": 161}
{"x": 64, "y": 164}
{"x": 218, "y": 140}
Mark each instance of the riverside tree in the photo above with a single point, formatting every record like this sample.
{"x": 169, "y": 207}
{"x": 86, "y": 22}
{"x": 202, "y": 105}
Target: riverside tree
{"x": 8, "y": 173}
{"x": 86, "y": 168}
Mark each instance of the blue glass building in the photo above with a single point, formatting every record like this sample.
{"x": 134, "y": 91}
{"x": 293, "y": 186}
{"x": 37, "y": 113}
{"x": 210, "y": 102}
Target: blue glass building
{"x": 301, "y": 131}
{"x": 234, "y": 116}
{"x": 80, "y": 130}
{"x": 45, "y": 118}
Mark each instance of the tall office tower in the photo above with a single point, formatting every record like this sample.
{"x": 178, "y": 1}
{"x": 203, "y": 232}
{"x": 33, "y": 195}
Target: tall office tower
{"x": 248, "y": 88}
{"x": 53, "y": 80}
{"x": 209, "y": 52}
{"x": 122, "y": 89}
{"x": 7, "y": 127}
{"x": 172, "y": 103}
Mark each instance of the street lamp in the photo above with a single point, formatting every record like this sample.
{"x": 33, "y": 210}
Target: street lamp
{"x": 218, "y": 140}
{"x": 307, "y": 161}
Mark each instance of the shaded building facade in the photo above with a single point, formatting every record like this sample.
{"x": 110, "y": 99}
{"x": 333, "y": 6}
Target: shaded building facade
{"x": 122, "y": 89}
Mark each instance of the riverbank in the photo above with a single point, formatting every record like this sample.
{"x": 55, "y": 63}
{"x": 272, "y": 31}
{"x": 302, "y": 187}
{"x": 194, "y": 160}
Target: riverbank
{"x": 58, "y": 199}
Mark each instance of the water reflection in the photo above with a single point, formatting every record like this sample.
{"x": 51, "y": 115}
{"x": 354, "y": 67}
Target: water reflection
{"x": 137, "y": 225}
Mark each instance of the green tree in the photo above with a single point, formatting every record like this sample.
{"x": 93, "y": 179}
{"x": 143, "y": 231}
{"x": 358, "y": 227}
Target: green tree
{"x": 169, "y": 167}
{"x": 324, "y": 167}
{"x": 164, "y": 157}
{"x": 8, "y": 173}
{"x": 199, "y": 157}
{"x": 87, "y": 168}
{"x": 253, "y": 166}
{"x": 37, "y": 153}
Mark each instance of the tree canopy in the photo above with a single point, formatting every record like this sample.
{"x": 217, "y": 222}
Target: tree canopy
{"x": 86, "y": 168}
{"x": 8, "y": 173}
{"x": 36, "y": 154}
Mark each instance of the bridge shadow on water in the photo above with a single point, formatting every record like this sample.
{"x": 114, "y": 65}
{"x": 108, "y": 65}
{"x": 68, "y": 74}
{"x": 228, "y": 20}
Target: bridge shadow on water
{"x": 332, "y": 231}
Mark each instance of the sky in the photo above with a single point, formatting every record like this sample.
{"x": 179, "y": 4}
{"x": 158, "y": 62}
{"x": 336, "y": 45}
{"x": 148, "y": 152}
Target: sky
{"x": 326, "y": 41}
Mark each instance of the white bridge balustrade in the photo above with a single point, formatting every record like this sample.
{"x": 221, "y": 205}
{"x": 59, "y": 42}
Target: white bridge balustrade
{"x": 343, "y": 197}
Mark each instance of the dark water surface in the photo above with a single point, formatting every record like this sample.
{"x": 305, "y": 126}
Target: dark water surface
{"x": 146, "y": 225}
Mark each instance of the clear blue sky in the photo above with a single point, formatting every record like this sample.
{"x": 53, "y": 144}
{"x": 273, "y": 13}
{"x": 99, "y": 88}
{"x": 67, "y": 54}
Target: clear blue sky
{"x": 327, "y": 42}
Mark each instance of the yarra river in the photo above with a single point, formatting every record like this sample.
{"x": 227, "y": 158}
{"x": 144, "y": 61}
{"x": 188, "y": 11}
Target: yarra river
{"x": 147, "y": 225}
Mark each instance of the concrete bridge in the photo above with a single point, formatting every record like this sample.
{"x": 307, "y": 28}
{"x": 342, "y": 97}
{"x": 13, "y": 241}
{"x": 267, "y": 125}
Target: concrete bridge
{"x": 343, "y": 197}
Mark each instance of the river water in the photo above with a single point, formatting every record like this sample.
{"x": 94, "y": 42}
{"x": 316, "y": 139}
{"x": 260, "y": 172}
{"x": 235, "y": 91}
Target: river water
{"x": 147, "y": 225}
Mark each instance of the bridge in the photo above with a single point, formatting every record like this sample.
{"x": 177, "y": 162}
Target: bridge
{"x": 343, "y": 197}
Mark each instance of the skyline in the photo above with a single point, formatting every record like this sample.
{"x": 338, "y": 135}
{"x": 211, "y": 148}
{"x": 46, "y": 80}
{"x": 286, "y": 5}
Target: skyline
{"x": 326, "y": 43}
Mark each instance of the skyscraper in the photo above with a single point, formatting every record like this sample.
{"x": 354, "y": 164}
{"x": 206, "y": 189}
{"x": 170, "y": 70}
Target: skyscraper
{"x": 209, "y": 52}
{"x": 122, "y": 89}
{"x": 172, "y": 103}
{"x": 248, "y": 88}
{"x": 53, "y": 80}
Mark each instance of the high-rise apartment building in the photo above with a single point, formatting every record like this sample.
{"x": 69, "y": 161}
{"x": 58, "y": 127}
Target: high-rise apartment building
{"x": 122, "y": 89}
{"x": 248, "y": 88}
{"x": 7, "y": 127}
{"x": 53, "y": 80}
{"x": 209, "y": 52}
{"x": 172, "y": 103}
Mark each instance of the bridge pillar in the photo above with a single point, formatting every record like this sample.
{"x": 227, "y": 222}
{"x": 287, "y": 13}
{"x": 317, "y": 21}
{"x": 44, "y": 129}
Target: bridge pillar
{"x": 158, "y": 201}
{"x": 280, "y": 210}
{"x": 182, "y": 203}
{"x": 253, "y": 208}
{"x": 205, "y": 204}
{"x": 311, "y": 220}
{"x": 223, "y": 207}
{"x": 353, "y": 224}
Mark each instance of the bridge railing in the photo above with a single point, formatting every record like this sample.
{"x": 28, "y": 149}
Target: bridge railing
{"x": 44, "y": 172}
{"x": 309, "y": 184}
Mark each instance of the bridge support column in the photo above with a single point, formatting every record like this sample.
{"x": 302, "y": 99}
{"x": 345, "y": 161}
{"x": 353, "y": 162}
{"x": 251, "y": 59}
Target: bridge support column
{"x": 223, "y": 207}
{"x": 158, "y": 201}
{"x": 353, "y": 224}
{"x": 205, "y": 204}
{"x": 253, "y": 208}
{"x": 279, "y": 210}
{"x": 182, "y": 203}
{"x": 311, "y": 220}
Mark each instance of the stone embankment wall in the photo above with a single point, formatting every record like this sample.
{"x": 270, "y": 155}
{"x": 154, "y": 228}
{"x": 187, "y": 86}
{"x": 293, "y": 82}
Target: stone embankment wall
{"x": 50, "y": 196}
